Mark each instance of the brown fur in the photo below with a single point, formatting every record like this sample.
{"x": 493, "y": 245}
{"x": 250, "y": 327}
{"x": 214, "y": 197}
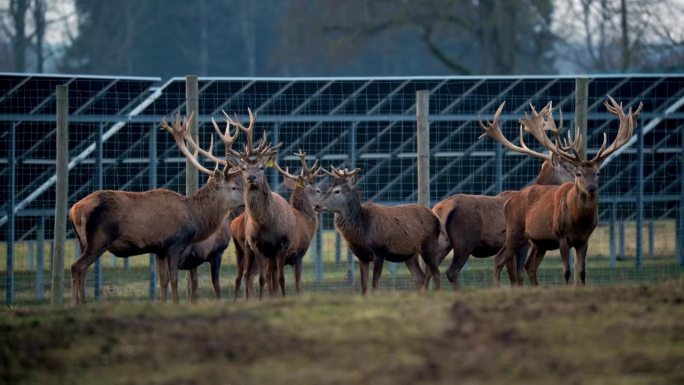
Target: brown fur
{"x": 306, "y": 224}
{"x": 475, "y": 225}
{"x": 159, "y": 221}
{"x": 209, "y": 250}
{"x": 551, "y": 217}
{"x": 376, "y": 233}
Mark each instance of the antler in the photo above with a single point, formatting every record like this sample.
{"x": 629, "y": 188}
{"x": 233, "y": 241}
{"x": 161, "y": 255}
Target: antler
{"x": 308, "y": 173}
{"x": 180, "y": 133}
{"x": 342, "y": 174}
{"x": 227, "y": 139}
{"x": 538, "y": 123}
{"x": 492, "y": 130}
{"x": 263, "y": 149}
{"x": 627, "y": 124}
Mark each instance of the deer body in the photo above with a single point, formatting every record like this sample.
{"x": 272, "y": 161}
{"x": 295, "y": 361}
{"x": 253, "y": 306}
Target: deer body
{"x": 376, "y": 233}
{"x": 555, "y": 217}
{"x": 159, "y": 221}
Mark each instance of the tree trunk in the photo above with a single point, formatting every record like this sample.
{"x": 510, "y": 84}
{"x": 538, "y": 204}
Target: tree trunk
{"x": 18, "y": 9}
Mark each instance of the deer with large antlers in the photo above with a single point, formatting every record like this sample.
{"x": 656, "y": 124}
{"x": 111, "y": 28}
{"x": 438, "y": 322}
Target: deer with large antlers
{"x": 475, "y": 224}
{"x": 270, "y": 226}
{"x": 556, "y": 217}
{"x": 376, "y": 233}
{"x": 158, "y": 221}
{"x": 304, "y": 194}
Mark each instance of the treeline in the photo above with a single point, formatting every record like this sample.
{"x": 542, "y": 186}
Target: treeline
{"x": 353, "y": 37}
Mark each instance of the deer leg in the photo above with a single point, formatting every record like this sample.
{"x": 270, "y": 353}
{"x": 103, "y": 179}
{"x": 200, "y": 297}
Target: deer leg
{"x": 298, "y": 275}
{"x": 533, "y": 262}
{"x": 457, "y": 262}
{"x": 78, "y": 273}
{"x": 172, "y": 261}
{"x": 431, "y": 265}
{"x": 581, "y": 253}
{"x": 416, "y": 272}
{"x": 163, "y": 273}
{"x": 264, "y": 269}
{"x": 192, "y": 285}
{"x": 363, "y": 272}
{"x": 215, "y": 266}
{"x": 521, "y": 257}
{"x": 564, "y": 248}
{"x": 499, "y": 262}
{"x": 280, "y": 269}
{"x": 377, "y": 271}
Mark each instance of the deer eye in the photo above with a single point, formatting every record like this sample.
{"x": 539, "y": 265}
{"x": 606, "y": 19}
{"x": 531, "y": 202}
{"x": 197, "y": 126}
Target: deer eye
{"x": 336, "y": 192}
{"x": 261, "y": 167}
{"x": 318, "y": 191}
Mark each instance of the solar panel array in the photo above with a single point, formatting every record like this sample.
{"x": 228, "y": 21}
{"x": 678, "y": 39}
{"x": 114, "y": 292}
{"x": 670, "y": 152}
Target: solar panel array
{"x": 363, "y": 122}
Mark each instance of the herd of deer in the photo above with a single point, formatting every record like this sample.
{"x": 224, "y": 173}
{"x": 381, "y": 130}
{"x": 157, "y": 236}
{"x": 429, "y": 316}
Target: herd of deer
{"x": 558, "y": 211}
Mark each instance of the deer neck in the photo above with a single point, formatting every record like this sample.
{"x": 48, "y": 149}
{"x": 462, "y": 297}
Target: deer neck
{"x": 584, "y": 206}
{"x": 301, "y": 202}
{"x": 352, "y": 221}
{"x": 207, "y": 208}
{"x": 259, "y": 204}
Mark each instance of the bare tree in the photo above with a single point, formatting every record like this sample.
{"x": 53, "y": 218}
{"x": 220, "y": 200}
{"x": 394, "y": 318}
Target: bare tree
{"x": 465, "y": 37}
{"x": 621, "y": 36}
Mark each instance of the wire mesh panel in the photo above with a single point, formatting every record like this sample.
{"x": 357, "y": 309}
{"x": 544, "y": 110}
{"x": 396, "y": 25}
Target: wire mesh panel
{"x": 352, "y": 122}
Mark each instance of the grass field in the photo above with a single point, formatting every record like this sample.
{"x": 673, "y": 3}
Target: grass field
{"x": 621, "y": 334}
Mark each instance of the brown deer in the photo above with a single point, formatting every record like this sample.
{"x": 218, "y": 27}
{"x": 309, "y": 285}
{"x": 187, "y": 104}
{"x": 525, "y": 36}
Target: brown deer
{"x": 304, "y": 194}
{"x": 158, "y": 221}
{"x": 475, "y": 225}
{"x": 209, "y": 250}
{"x": 376, "y": 233}
{"x": 270, "y": 223}
{"x": 556, "y": 217}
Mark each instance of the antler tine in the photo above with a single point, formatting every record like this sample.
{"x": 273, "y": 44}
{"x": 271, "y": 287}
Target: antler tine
{"x": 627, "y": 124}
{"x": 492, "y": 130}
{"x": 227, "y": 139}
{"x": 538, "y": 123}
{"x": 249, "y": 131}
{"x": 177, "y": 130}
{"x": 285, "y": 172}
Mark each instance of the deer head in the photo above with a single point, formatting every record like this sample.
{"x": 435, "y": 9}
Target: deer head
{"x": 342, "y": 193}
{"x": 306, "y": 179}
{"x": 252, "y": 161}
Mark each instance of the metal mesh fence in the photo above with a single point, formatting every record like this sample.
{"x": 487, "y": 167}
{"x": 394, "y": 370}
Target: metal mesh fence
{"x": 363, "y": 122}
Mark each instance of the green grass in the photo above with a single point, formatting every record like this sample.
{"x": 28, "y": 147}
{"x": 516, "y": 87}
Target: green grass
{"x": 132, "y": 284}
{"x": 623, "y": 334}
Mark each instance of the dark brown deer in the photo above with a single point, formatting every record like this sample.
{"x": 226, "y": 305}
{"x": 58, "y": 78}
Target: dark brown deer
{"x": 376, "y": 233}
{"x": 475, "y": 225}
{"x": 158, "y": 221}
{"x": 270, "y": 223}
{"x": 211, "y": 251}
{"x": 304, "y": 194}
{"x": 556, "y": 217}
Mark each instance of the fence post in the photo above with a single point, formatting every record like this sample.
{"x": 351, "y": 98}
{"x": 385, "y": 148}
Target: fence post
{"x": 651, "y": 235}
{"x": 62, "y": 186}
{"x": 9, "y": 295}
{"x": 40, "y": 257}
{"x": 680, "y": 217}
{"x": 423, "y": 144}
{"x": 613, "y": 236}
{"x": 153, "y": 185}
{"x": 319, "y": 252}
{"x": 640, "y": 197}
{"x": 581, "y": 111}
{"x": 352, "y": 165}
{"x": 499, "y": 168}
{"x": 100, "y": 186}
{"x": 191, "y": 104}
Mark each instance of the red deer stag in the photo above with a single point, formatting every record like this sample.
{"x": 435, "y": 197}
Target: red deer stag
{"x": 556, "y": 217}
{"x": 270, "y": 224}
{"x": 304, "y": 194}
{"x": 475, "y": 225}
{"x": 376, "y": 233}
{"x": 158, "y": 221}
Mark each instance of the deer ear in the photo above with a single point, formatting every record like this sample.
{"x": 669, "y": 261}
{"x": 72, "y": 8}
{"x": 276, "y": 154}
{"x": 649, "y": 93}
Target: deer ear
{"x": 289, "y": 183}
